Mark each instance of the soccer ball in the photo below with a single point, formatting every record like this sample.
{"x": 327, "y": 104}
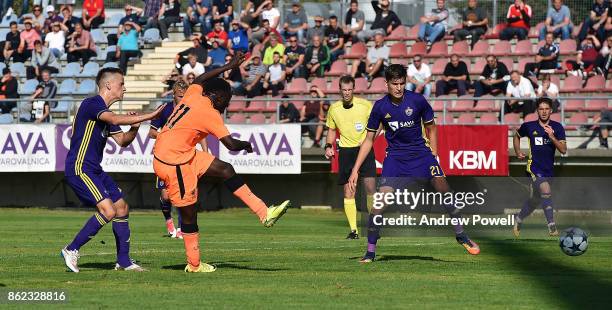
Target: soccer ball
{"x": 573, "y": 241}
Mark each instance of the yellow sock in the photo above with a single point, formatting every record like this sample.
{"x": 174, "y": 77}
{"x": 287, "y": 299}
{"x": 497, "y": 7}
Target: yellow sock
{"x": 350, "y": 209}
{"x": 369, "y": 203}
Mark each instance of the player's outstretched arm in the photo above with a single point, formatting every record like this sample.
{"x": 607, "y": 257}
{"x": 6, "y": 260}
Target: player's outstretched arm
{"x": 130, "y": 119}
{"x": 235, "y": 144}
{"x": 364, "y": 150}
{"x": 236, "y": 61}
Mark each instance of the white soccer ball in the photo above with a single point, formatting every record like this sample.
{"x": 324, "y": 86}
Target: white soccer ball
{"x": 573, "y": 241}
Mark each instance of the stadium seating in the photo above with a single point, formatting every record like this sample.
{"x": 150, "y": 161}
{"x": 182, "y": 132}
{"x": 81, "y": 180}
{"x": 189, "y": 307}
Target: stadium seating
{"x": 358, "y": 50}
{"x": 67, "y": 87}
{"x": 237, "y": 119}
{"x": 400, "y": 33}
{"x": 481, "y": 48}
{"x": 86, "y": 87}
{"x": 595, "y": 84}
{"x": 98, "y": 36}
{"x": 502, "y": 48}
{"x": 466, "y": 119}
{"x": 461, "y": 48}
{"x": 63, "y": 105}
{"x": 18, "y": 69}
{"x": 576, "y": 120}
{"x": 29, "y": 87}
{"x": 236, "y": 106}
{"x": 378, "y": 86}
{"x": 485, "y": 106}
{"x": 338, "y": 68}
{"x": 151, "y": 35}
{"x": 297, "y": 86}
{"x": 488, "y": 118}
{"x": 438, "y": 66}
{"x": 361, "y": 85}
{"x": 524, "y": 48}
{"x": 255, "y": 106}
{"x": 571, "y": 84}
{"x": 438, "y": 49}
{"x": 418, "y": 48}
{"x": 596, "y": 105}
{"x": 574, "y": 105}
{"x": 90, "y": 70}
{"x": 398, "y": 50}
{"x": 71, "y": 69}
{"x": 6, "y": 118}
{"x": 320, "y": 83}
{"x": 257, "y": 119}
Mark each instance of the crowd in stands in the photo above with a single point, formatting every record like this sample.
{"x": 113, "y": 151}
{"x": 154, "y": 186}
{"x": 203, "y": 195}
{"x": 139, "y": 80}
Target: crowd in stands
{"x": 285, "y": 50}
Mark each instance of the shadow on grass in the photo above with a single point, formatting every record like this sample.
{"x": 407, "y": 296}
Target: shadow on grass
{"x": 404, "y": 257}
{"x": 105, "y": 266}
{"x": 575, "y": 288}
{"x": 230, "y": 265}
{"x": 2, "y": 285}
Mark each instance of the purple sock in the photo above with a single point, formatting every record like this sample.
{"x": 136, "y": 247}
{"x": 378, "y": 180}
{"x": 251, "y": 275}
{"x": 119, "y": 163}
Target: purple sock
{"x": 373, "y": 234}
{"x": 548, "y": 209}
{"x": 89, "y": 230}
{"x": 166, "y": 209}
{"x": 121, "y": 230}
{"x": 454, "y": 213}
{"x": 525, "y": 211}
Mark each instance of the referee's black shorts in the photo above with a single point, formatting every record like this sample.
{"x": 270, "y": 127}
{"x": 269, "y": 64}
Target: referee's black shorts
{"x": 346, "y": 161}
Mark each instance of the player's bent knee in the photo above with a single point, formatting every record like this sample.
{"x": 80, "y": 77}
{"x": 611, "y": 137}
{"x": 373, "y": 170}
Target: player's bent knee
{"x": 234, "y": 182}
{"x": 106, "y": 208}
{"x": 227, "y": 171}
{"x": 189, "y": 228}
{"x": 121, "y": 208}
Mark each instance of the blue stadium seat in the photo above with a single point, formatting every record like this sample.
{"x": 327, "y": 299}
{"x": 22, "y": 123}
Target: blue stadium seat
{"x": 29, "y": 87}
{"x": 110, "y": 64}
{"x": 90, "y": 70}
{"x": 3, "y": 33}
{"x": 113, "y": 20}
{"x": 2, "y": 66}
{"x": 67, "y": 87}
{"x": 18, "y": 69}
{"x": 87, "y": 87}
{"x": 6, "y": 21}
{"x": 72, "y": 69}
{"x": 6, "y": 118}
{"x": 63, "y": 105}
{"x": 98, "y": 36}
{"x": 151, "y": 35}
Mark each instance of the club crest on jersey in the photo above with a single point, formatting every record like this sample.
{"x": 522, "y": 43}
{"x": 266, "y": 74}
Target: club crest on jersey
{"x": 535, "y": 133}
{"x": 408, "y": 111}
{"x": 388, "y": 115}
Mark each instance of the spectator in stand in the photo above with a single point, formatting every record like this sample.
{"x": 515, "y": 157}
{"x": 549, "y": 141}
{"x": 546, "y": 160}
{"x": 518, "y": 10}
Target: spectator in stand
{"x": 38, "y": 18}
{"x": 549, "y": 89}
{"x": 39, "y": 111}
{"x": 270, "y": 13}
{"x": 132, "y": 14}
{"x": 419, "y": 77}
{"x": 151, "y": 13}
{"x": 69, "y": 20}
{"x": 224, "y": 10}
{"x": 81, "y": 45}
{"x": 193, "y": 66}
{"x": 217, "y": 55}
{"x": 518, "y": 18}
{"x": 253, "y": 73}
{"x": 317, "y": 30}
{"x": 170, "y": 80}
{"x": 600, "y": 131}
{"x": 494, "y": 76}
{"x": 312, "y": 112}
{"x": 519, "y": 87}
{"x": 56, "y": 39}
{"x": 546, "y": 60}
{"x": 251, "y": 15}
{"x": 455, "y": 76}
{"x": 263, "y": 32}
{"x": 198, "y": 12}
{"x": 69, "y": 4}
{"x": 558, "y": 21}
{"x": 93, "y": 14}
{"x": 51, "y": 19}
{"x": 334, "y": 38}
{"x": 296, "y": 22}
{"x": 238, "y": 38}
{"x": 274, "y": 47}
{"x": 474, "y": 25}
{"x": 190, "y": 78}
{"x": 287, "y": 113}
{"x": 433, "y": 24}
{"x": 233, "y": 77}
{"x": 354, "y": 21}
{"x": 8, "y": 90}
{"x": 385, "y": 21}
{"x": 218, "y": 34}
{"x": 585, "y": 59}
{"x": 45, "y": 90}
{"x": 375, "y": 62}
{"x": 595, "y": 21}
{"x": 604, "y": 59}
{"x": 197, "y": 49}
{"x": 28, "y": 36}
{"x": 127, "y": 46}
{"x": 42, "y": 59}
{"x": 316, "y": 58}
{"x": 294, "y": 59}
{"x": 274, "y": 79}
{"x": 11, "y": 45}
{"x": 168, "y": 14}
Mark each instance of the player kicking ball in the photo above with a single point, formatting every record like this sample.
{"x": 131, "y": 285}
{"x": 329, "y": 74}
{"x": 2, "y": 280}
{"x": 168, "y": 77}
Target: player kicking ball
{"x": 178, "y": 91}
{"x": 545, "y": 137}
{"x": 92, "y": 125}
{"x": 410, "y": 154}
{"x": 350, "y": 116}
{"x": 180, "y": 165}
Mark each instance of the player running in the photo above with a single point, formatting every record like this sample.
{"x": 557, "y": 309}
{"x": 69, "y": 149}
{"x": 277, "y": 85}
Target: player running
{"x": 545, "y": 137}
{"x": 180, "y": 165}
{"x": 92, "y": 125}
{"x": 178, "y": 91}
{"x": 350, "y": 116}
{"x": 405, "y": 116}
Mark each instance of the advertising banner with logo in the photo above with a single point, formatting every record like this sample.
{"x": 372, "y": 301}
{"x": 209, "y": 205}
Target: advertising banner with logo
{"x": 27, "y": 148}
{"x": 462, "y": 150}
{"x": 276, "y": 149}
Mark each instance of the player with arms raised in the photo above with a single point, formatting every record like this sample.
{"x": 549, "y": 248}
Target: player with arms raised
{"x": 405, "y": 116}
{"x": 545, "y": 137}
{"x": 180, "y": 165}
{"x": 92, "y": 125}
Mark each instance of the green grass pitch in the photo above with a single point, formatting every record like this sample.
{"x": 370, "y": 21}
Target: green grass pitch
{"x": 302, "y": 262}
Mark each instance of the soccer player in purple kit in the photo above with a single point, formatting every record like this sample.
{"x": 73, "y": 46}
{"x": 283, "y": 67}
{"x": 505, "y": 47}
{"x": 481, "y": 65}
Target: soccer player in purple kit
{"x": 545, "y": 138}
{"x": 92, "y": 125}
{"x": 405, "y": 117}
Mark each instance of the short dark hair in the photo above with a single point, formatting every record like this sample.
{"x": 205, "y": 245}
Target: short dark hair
{"x": 354, "y": 1}
{"x": 345, "y": 79}
{"x": 491, "y": 55}
{"x": 276, "y": 53}
{"x": 545, "y": 100}
{"x": 515, "y": 71}
{"x": 13, "y": 23}
{"x": 333, "y": 17}
{"x": 218, "y": 88}
{"x": 106, "y": 71}
{"x": 395, "y": 71}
